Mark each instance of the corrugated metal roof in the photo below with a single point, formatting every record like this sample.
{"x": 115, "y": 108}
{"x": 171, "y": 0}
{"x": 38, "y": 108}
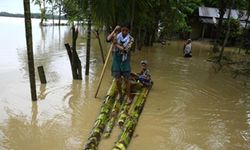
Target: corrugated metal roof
{"x": 208, "y": 12}
{"x": 214, "y": 12}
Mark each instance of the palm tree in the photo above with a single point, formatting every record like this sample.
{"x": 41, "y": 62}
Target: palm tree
{"x": 42, "y": 6}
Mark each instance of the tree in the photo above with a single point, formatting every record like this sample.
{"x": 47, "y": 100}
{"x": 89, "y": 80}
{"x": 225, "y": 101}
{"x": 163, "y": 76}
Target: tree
{"x": 235, "y": 30}
{"x": 59, "y": 7}
{"x": 222, "y": 4}
{"x": 228, "y": 31}
{"x": 245, "y": 34}
{"x": 175, "y": 17}
{"x": 52, "y": 9}
{"x": 145, "y": 17}
{"x": 88, "y": 38}
{"x": 42, "y": 6}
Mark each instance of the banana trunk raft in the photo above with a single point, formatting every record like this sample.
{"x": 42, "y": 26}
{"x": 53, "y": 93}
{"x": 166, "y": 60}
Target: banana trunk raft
{"x": 117, "y": 112}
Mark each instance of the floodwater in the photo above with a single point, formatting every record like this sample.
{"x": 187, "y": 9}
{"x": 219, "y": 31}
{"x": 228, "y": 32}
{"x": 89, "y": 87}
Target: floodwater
{"x": 190, "y": 107}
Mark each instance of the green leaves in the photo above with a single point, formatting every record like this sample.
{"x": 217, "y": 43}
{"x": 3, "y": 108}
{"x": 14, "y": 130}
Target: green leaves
{"x": 234, "y": 28}
{"x": 73, "y": 11}
{"x": 174, "y": 19}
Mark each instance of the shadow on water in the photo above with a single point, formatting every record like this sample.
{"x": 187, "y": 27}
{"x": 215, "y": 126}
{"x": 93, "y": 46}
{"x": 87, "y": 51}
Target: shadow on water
{"x": 20, "y": 133}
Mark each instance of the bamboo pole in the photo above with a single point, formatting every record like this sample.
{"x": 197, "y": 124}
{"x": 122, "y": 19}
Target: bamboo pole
{"x": 100, "y": 44}
{"x": 102, "y": 119}
{"x": 88, "y": 39}
{"x": 123, "y": 114}
{"x": 131, "y": 121}
{"x": 114, "y": 115}
{"x": 103, "y": 70}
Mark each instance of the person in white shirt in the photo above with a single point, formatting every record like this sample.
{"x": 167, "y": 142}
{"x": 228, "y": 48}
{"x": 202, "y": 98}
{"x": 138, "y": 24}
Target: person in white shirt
{"x": 187, "y": 49}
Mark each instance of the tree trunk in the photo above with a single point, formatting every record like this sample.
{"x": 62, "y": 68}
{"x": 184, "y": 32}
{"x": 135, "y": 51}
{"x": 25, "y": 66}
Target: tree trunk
{"x": 138, "y": 39}
{"x": 143, "y": 37}
{"x": 132, "y": 16}
{"x": 147, "y": 35}
{"x": 227, "y": 34}
{"x": 88, "y": 39}
{"x": 53, "y": 16}
{"x": 60, "y": 12}
{"x": 74, "y": 68}
{"x": 28, "y": 29}
{"x": 102, "y": 119}
{"x": 76, "y": 63}
{"x": 131, "y": 120}
{"x": 244, "y": 33}
{"x": 222, "y": 9}
{"x": 43, "y": 11}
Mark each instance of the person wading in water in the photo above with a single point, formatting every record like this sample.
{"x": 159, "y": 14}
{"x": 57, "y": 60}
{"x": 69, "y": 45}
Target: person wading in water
{"x": 187, "y": 49}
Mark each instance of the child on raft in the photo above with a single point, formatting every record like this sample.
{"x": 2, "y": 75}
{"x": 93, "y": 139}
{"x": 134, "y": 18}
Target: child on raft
{"x": 143, "y": 77}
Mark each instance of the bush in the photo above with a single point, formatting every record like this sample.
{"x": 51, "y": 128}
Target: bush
{"x": 235, "y": 30}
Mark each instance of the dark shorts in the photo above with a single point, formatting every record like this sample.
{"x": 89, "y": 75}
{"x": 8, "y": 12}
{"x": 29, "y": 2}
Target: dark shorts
{"x": 124, "y": 74}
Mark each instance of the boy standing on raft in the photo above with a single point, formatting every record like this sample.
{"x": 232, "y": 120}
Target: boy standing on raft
{"x": 122, "y": 42}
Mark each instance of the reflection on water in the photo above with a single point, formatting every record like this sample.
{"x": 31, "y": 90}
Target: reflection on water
{"x": 42, "y": 93}
{"x": 246, "y": 133}
{"x": 192, "y": 105}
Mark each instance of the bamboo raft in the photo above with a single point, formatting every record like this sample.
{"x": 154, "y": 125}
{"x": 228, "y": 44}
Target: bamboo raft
{"x": 117, "y": 112}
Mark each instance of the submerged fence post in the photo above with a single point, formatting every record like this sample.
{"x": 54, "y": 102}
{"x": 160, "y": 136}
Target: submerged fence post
{"x": 28, "y": 31}
{"x": 75, "y": 62}
{"x": 41, "y": 74}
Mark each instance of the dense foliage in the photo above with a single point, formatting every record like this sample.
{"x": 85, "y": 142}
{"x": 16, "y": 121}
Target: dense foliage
{"x": 235, "y": 30}
{"x": 150, "y": 20}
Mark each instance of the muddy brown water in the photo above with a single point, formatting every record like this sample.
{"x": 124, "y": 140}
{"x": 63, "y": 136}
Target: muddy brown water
{"x": 190, "y": 107}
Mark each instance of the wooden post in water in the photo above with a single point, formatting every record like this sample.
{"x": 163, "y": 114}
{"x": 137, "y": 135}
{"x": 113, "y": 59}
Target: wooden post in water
{"x": 28, "y": 29}
{"x": 67, "y": 46}
{"x": 76, "y": 67}
{"x": 75, "y": 58}
{"x": 73, "y": 50}
{"x": 41, "y": 74}
{"x": 100, "y": 44}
